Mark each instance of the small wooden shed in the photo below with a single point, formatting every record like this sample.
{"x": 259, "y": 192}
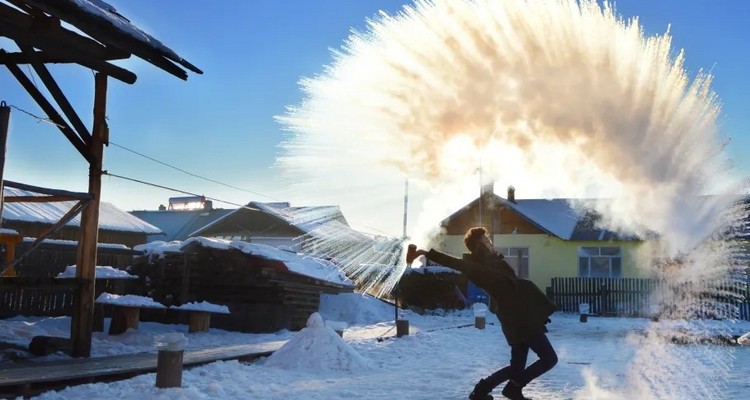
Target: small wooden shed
{"x": 266, "y": 289}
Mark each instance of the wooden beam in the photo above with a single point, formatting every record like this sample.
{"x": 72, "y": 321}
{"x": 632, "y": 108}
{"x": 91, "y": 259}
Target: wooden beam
{"x": 56, "y": 93}
{"x": 43, "y": 56}
{"x": 74, "y": 139}
{"x": 37, "y": 199}
{"x": 44, "y": 33}
{"x": 105, "y": 32}
{"x": 82, "y": 323}
{"x": 50, "y": 192}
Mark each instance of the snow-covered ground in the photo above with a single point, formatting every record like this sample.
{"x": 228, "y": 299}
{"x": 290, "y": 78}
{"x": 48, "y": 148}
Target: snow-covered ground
{"x": 442, "y": 358}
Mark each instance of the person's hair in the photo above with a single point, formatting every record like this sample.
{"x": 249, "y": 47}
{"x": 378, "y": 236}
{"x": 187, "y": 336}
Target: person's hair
{"x": 473, "y": 236}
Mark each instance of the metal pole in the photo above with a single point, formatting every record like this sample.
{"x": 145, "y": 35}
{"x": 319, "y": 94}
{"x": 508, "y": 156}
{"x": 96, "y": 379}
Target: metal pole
{"x": 406, "y": 205}
{"x": 4, "y": 123}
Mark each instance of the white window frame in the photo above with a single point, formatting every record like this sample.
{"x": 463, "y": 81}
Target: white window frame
{"x": 511, "y": 254}
{"x": 611, "y": 254}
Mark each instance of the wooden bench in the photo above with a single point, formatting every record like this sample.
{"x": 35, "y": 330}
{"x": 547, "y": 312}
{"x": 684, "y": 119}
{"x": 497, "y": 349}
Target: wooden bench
{"x": 199, "y": 314}
{"x": 126, "y": 310}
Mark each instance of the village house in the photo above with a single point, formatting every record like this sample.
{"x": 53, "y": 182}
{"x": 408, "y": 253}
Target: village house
{"x": 543, "y": 239}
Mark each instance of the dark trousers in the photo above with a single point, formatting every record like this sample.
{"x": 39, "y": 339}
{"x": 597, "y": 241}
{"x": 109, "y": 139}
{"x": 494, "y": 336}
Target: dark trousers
{"x": 517, "y": 370}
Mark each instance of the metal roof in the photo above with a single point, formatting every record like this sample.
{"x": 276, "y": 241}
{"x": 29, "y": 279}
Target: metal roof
{"x": 110, "y": 217}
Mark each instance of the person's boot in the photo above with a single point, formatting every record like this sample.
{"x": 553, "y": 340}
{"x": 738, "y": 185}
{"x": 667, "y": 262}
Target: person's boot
{"x": 481, "y": 391}
{"x": 513, "y": 391}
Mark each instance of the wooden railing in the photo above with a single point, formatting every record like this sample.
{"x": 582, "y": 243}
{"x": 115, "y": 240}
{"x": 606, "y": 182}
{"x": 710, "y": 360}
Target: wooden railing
{"x": 50, "y": 297}
{"x": 650, "y": 297}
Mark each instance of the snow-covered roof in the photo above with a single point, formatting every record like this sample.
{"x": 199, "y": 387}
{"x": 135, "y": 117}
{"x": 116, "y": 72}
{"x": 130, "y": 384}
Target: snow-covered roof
{"x": 319, "y": 221}
{"x": 297, "y": 263}
{"x": 556, "y": 216}
{"x": 567, "y": 219}
{"x": 179, "y": 224}
{"x": 101, "y": 21}
{"x": 110, "y": 217}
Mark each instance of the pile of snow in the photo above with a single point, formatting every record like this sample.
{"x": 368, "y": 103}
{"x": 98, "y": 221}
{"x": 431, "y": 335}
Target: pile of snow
{"x": 102, "y": 272}
{"x": 355, "y": 308}
{"x": 203, "y": 306}
{"x": 128, "y": 300}
{"x": 317, "y": 348}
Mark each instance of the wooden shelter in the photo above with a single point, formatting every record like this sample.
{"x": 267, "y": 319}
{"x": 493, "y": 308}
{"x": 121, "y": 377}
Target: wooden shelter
{"x": 263, "y": 287}
{"x": 98, "y": 35}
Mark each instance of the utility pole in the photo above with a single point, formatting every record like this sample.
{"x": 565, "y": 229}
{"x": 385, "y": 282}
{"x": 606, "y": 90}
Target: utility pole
{"x": 4, "y": 123}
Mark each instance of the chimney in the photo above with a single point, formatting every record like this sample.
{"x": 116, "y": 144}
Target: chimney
{"x": 162, "y": 207}
{"x": 511, "y": 194}
{"x": 486, "y": 191}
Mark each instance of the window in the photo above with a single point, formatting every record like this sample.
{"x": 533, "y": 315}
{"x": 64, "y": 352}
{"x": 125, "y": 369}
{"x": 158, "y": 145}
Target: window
{"x": 518, "y": 258}
{"x": 599, "y": 262}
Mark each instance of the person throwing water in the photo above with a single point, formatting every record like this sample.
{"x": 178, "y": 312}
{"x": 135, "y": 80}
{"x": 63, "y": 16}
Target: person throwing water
{"x": 521, "y": 307}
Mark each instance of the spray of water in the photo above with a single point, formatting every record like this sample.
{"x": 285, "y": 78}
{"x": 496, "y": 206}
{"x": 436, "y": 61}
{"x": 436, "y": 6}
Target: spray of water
{"x": 559, "y": 98}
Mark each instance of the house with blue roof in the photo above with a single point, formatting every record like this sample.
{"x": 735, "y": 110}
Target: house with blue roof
{"x": 276, "y": 224}
{"x": 543, "y": 238}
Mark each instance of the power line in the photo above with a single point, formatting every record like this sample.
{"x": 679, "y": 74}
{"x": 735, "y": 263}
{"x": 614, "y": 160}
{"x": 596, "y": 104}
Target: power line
{"x": 190, "y": 173}
{"x": 42, "y": 119}
{"x": 170, "y": 188}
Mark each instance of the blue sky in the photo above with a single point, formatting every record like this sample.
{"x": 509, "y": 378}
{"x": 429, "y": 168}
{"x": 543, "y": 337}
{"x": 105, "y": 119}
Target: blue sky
{"x": 220, "y": 124}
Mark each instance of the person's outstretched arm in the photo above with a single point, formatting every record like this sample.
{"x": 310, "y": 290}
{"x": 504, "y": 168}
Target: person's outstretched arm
{"x": 476, "y": 272}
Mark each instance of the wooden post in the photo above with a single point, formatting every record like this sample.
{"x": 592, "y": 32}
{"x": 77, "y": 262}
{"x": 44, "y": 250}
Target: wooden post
{"x": 479, "y": 322}
{"x": 402, "y": 327}
{"x": 169, "y": 369}
{"x": 605, "y": 299}
{"x": 185, "y": 287}
{"x": 124, "y": 318}
{"x": 83, "y": 313}
{"x": 199, "y": 321}
{"x": 4, "y": 123}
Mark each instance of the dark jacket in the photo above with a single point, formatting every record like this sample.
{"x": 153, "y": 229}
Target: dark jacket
{"x": 523, "y": 309}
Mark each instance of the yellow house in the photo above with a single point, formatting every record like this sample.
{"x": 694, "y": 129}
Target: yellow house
{"x": 542, "y": 239}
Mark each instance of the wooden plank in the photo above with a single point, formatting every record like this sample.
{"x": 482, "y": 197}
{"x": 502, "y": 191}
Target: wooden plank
{"x": 96, "y": 367}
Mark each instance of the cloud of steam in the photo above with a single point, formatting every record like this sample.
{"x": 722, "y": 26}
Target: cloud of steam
{"x": 558, "y": 98}
{"x": 553, "y": 97}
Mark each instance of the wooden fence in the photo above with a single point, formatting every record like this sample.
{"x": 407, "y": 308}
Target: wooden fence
{"x": 51, "y": 297}
{"x": 650, "y": 297}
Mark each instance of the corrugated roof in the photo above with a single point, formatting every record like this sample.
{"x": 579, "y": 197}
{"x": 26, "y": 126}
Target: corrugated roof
{"x": 110, "y": 217}
{"x": 179, "y": 224}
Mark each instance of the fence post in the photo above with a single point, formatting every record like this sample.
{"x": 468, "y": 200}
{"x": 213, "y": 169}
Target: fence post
{"x": 605, "y": 299}
{"x": 171, "y": 348}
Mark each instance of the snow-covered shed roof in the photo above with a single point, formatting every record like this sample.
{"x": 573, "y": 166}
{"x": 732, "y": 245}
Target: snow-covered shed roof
{"x": 110, "y": 217}
{"x": 295, "y": 262}
{"x": 114, "y": 36}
